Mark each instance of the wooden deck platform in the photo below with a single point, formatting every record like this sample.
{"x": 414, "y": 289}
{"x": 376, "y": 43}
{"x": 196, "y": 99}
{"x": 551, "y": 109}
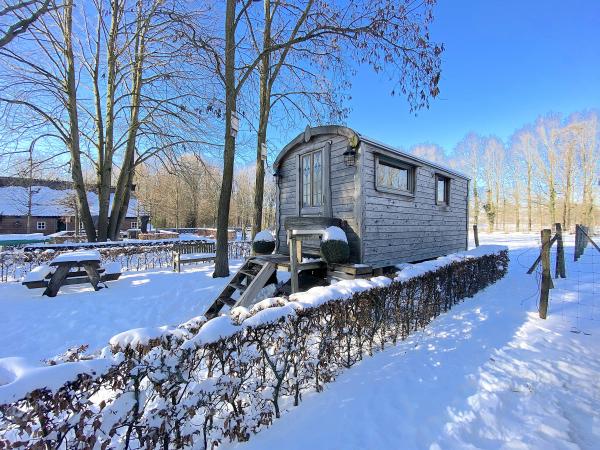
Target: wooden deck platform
{"x": 339, "y": 271}
{"x": 283, "y": 262}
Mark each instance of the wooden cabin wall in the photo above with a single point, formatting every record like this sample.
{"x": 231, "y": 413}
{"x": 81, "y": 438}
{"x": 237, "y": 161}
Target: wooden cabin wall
{"x": 400, "y": 229}
{"x": 341, "y": 179}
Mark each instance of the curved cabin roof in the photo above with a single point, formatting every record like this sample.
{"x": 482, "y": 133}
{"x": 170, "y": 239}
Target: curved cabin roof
{"x": 352, "y": 135}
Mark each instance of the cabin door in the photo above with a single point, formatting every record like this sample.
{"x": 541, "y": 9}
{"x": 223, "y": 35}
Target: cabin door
{"x": 313, "y": 187}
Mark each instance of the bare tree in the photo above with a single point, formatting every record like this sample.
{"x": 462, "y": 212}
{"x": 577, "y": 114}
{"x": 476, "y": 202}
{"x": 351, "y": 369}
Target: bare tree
{"x": 116, "y": 93}
{"x": 523, "y": 149}
{"x": 468, "y": 154}
{"x": 16, "y": 16}
{"x": 548, "y": 130}
{"x": 384, "y": 34}
{"x": 431, "y": 152}
{"x": 381, "y": 33}
{"x": 493, "y": 171}
{"x": 588, "y": 154}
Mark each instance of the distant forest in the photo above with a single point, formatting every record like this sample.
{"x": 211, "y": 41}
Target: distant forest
{"x": 547, "y": 172}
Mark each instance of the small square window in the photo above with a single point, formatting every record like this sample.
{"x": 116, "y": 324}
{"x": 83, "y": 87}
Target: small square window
{"x": 134, "y": 225}
{"x": 442, "y": 190}
{"x": 394, "y": 176}
{"x": 41, "y": 225}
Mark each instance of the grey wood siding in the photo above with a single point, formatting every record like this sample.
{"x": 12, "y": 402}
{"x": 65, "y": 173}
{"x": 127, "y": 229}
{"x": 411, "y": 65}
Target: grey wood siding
{"x": 398, "y": 228}
{"x": 383, "y": 228}
{"x": 341, "y": 179}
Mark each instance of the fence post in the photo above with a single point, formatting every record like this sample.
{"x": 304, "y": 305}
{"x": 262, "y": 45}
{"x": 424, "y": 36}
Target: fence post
{"x": 475, "y": 235}
{"x": 546, "y": 280}
{"x": 560, "y": 254}
{"x": 576, "y": 249}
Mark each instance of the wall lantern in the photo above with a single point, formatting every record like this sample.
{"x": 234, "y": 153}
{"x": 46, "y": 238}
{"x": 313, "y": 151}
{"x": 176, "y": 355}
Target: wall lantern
{"x": 350, "y": 157}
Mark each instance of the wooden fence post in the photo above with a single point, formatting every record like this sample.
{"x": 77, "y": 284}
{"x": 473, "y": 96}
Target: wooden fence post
{"x": 475, "y": 235}
{"x": 560, "y": 254}
{"x": 576, "y": 242}
{"x": 293, "y": 243}
{"x": 546, "y": 280}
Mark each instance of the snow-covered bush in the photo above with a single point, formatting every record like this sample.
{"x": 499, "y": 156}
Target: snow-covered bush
{"x": 334, "y": 246}
{"x": 264, "y": 243}
{"x": 205, "y": 383}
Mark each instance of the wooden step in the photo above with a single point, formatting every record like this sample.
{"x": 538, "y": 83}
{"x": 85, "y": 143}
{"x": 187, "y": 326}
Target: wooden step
{"x": 248, "y": 296}
{"x": 352, "y": 269}
{"x": 227, "y": 301}
{"x": 249, "y": 273}
{"x": 256, "y": 280}
{"x": 239, "y": 286}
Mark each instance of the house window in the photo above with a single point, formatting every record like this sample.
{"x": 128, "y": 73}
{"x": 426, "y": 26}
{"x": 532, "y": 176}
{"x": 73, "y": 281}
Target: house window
{"x": 312, "y": 179}
{"x": 134, "y": 224}
{"x": 442, "y": 190}
{"x": 41, "y": 225}
{"x": 394, "y": 176}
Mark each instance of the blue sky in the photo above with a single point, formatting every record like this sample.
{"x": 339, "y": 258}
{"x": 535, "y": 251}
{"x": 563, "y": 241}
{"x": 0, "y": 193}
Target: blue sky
{"x": 505, "y": 63}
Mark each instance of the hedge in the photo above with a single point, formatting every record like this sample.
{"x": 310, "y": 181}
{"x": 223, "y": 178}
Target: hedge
{"x": 201, "y": 384}
{"x": 142, "y": 256}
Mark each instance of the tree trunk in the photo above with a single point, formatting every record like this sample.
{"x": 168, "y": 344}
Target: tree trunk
{"x": 475, "y": 203}
{"x": 125, "y": 180}
{"x": 263, "y": 121}
{"x": 221, "y": 259}
{"x": 517, "y": 196}
{"x": 106, "y": 151}
{"x": 568, "y": 188}
{"x": 529, "y": 205}
{"x": 73, "y": 142}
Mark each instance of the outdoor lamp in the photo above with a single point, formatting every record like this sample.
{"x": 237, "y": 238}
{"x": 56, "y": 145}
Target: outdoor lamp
{"x": 350, "y": 157}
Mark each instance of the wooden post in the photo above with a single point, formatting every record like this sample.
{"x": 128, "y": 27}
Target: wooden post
{"x": 293, "y": 262}
{"x": 546, "y": 280}
{"x": 575, "y": 256}
{"x": 475, "y": 235}
{"x": 587, "y": 238}
{"x": 560, "y": 254}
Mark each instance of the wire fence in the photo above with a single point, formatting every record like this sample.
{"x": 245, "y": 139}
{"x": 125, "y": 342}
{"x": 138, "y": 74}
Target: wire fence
{"x": 14, "y": 264}
{"x": 575, "y": 299}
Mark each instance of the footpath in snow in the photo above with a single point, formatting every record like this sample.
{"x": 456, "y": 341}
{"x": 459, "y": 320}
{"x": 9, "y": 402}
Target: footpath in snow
{"x": 488, "y": 374}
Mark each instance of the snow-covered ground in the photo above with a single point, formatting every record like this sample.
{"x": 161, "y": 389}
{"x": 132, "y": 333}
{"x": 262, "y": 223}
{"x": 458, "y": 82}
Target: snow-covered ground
{"x": 38, "y": 327}
{"x": 489, "y": 374}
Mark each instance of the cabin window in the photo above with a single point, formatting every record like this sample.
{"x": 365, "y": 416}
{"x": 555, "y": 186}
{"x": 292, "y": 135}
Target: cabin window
{"x": 312, "y": 179}
{"x": 41, "y": 225}
{"x": 395, "y": 176}
{"x": 134, "y": 225}
{"x": 442, "y": 190}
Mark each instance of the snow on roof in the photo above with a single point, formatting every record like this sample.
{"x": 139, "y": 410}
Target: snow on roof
{"x": 50, "y": 202}
{"x": 23, "y": 237}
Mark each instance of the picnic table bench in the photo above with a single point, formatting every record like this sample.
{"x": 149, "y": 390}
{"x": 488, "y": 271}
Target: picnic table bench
{"x": 191, "y": 252}
{"x": 71, "y": 268}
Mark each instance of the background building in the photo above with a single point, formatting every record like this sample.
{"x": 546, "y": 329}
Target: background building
{"x": 48, "y": 206}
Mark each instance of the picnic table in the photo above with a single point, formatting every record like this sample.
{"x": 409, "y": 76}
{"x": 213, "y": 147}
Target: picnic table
{"x": 71, "y": 268}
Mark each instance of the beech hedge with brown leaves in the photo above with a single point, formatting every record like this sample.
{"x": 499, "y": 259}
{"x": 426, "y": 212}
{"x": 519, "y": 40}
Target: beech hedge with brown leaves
{"x": 204, "y": 383}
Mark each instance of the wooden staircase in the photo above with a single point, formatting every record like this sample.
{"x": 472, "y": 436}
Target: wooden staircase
{"x": 249, "y": 280}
